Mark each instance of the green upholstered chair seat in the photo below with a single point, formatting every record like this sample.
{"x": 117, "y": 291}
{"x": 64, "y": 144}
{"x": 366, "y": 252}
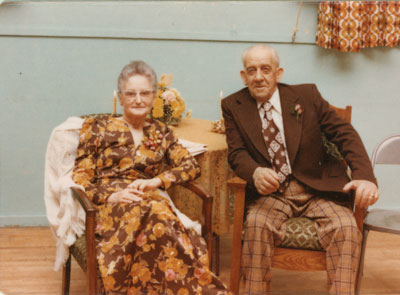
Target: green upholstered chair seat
{"x": 301, "y": 234}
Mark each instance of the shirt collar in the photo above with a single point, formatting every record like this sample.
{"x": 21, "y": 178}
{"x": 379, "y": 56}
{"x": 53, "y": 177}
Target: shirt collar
{"x": 275, "y": 100}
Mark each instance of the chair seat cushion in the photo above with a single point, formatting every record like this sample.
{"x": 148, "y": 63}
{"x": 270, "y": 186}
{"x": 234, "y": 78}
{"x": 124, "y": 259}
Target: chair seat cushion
{"x": 301, "y": 233}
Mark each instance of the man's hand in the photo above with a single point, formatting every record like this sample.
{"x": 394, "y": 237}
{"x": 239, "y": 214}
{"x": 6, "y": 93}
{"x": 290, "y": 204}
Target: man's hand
{"x": 265, "y": 180}
{"x": 366, "y": 192}
{"x": 127, "y": 195}
{"x": 146, "y": 184}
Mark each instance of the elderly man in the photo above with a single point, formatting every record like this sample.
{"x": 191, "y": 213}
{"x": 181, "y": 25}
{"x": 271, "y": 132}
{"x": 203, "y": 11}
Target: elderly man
{"x": 273, "y": 132}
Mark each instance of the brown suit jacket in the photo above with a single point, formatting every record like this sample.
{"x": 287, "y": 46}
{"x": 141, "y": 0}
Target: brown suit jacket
{"x": 308, "y": 158}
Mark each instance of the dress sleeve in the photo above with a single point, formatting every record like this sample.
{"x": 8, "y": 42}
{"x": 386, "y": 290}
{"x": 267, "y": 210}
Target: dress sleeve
{"x": 85, "y": 168}
{"x": 184, "y": 166}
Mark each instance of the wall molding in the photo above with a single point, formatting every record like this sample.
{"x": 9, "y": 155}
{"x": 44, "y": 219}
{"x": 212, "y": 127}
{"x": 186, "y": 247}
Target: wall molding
{"x": 23, "y": 220}
{"x": 224, "y": 21}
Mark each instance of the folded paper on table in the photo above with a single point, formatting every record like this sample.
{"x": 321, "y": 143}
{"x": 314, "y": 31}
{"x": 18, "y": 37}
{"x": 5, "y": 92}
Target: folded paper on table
{"x": 194, "y": 148}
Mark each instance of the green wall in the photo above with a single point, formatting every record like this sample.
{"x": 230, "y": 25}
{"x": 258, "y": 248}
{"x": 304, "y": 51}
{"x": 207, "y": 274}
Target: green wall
{"x": 61, "y": 59}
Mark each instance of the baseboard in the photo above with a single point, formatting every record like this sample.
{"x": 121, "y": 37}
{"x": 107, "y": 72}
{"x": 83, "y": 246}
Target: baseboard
{"x": 23, "y": 220}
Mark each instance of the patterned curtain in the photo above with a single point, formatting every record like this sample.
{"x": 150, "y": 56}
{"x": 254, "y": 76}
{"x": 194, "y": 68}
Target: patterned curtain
{"x": 351, "y": 25}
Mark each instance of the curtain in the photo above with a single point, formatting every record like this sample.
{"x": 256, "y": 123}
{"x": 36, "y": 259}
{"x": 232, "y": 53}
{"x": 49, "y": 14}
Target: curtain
{"x": 350, "y": 26}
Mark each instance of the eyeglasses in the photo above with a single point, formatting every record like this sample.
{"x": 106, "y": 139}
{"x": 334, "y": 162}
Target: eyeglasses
{"x": 131, "y": 94}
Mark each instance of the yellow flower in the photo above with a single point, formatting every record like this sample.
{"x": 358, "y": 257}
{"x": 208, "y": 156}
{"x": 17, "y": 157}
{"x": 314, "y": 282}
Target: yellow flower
{"x": 107, "y": 152}
{"x": 86, "y": 132}
{"x": 112, "y": 127}
{"x": 161, "y": 210}
{"x": 136, "y": 267}
{"x": 170, "y": 251}
{"x": 109, "y": 162}
{"x": 83, "y": 177}
{"x": 162, "y": 265}
{"x": 116, "y": 125}
{"x": 165, "y": 80}
{"x": 146, "y": 248}
{"x": 157, "y": 207}
{"x": 125, "y": 163}
{"x": 122, "y": 140}
{"x": 203, "y": 276}
{"x": 144, "y": 274}
{"x": 184, "y": 176}
{"x": 192, "y": 173}
{"x": 109, "y": 282}
{"x": 159, "y": 230}
{"x": 107, "y": 246}
{"x": 132, "y": 226}
{"x": 81, "y": 152}
{"x": 133, "y": 290}
{"x": 105, "y": 181}
{"x": 204, "y": 259}
{"x": 86, "y": 163}
{"x": 178, "y": 106}
{"x": 171, "y": 263}
{"x": 183, "y": 291}
{"x": 158, "y": 108}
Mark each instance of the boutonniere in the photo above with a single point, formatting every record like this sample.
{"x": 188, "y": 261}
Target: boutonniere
{"x": 297, "y": 110}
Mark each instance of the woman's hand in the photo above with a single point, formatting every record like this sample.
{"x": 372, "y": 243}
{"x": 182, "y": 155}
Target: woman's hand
{"x": 127, "y": 195}
{"x": 146, "y": 184}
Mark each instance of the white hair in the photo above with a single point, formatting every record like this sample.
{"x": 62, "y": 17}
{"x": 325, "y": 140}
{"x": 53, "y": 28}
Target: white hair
{"x": 137, "y": 67}
{"x": 275, "y": 57}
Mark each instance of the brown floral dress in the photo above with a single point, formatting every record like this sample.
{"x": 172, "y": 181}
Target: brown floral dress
{"x": 142, "y": 247}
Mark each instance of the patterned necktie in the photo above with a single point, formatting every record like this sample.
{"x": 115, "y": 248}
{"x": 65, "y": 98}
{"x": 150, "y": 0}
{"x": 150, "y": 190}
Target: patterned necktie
{"x": 274, "y": 143}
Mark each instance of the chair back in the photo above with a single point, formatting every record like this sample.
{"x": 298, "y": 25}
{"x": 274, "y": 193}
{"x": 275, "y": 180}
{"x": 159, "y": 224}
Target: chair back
{"x": 344, "y": 113}
{"x": 387, "y": 151}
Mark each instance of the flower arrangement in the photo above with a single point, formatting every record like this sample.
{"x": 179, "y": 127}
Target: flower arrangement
{"x": 168, "y": 104}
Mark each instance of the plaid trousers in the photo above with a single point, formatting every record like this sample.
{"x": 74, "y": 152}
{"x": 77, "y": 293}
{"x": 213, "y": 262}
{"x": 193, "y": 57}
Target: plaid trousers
{"x": 265, "y": 227}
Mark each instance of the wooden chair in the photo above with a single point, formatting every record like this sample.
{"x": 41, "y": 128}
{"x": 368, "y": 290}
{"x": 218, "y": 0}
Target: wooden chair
{"x": 382, "y": 220}
{"x": 283, "y": 258}
{"x": 84, "y": 249}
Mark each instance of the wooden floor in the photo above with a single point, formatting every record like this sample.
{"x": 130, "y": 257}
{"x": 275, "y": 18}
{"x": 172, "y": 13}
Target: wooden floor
{"x": 27, "y": 257}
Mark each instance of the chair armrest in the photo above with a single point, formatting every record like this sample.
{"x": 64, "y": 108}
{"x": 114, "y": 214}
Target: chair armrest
{"x": 239, "y": 187}
{"x": 198, "y": 189}
{"x": 358, "y": 212}
{"x": 208, "y": 199}
{"x": 237, "y": 182}
{"x": 83, "y": 199}
{"x": 359, "y": 215}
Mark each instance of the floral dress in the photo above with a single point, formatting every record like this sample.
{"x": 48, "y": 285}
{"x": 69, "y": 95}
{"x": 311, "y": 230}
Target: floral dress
{"x": 142, "y": 247}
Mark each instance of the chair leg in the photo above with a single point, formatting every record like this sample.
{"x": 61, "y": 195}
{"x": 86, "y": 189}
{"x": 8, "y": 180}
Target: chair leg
{"x": 360, "y": 271}
{"x": 216, "y": 237}
{"x": 66, "y": 276}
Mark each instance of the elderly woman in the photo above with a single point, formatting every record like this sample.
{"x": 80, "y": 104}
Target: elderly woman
{"x": 142, "y": 246}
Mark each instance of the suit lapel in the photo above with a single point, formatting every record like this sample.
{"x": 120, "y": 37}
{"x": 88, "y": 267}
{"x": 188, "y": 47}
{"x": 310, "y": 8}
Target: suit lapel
{"x": 250, "y": 119}
{"x": 291, "y": 124}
